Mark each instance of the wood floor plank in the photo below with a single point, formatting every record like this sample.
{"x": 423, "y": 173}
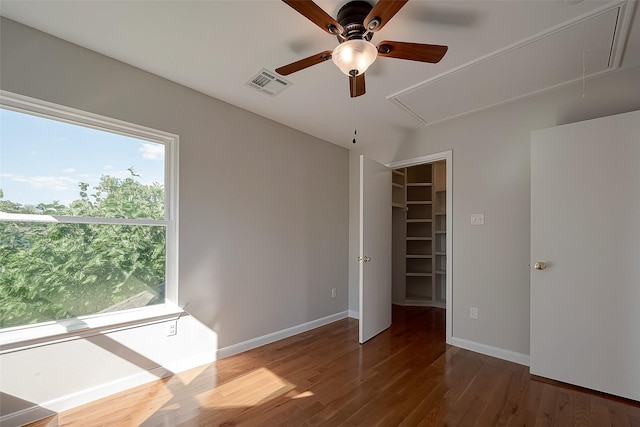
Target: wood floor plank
{"x": 546, "y": 414}
{"x": 534, "y": 401}
{"x": 564, "y": 408}
{"x": 619, "y": 414}
{"x": 600, "y": 412}
{"x": 520, "y": 394}
{"x": 582, "y": 410}
{"x": 406, "y": 376}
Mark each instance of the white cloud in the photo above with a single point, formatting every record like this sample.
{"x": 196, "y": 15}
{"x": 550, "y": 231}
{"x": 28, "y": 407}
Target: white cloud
{"x": 68, "y": 170}
{"x": 56, "y": 183}
{"x": 152, "y": 151}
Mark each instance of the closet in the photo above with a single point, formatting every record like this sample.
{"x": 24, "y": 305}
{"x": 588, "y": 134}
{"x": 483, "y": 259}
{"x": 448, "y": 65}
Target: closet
{"x": 419, "y": 250}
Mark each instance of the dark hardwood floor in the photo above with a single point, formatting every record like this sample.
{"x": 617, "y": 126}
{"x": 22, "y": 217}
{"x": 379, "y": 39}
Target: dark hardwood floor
{"x": 406, "y": 376}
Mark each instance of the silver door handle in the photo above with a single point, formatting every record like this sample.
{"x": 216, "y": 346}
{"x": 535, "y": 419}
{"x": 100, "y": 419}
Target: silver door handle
{"x": 364, "y": 259}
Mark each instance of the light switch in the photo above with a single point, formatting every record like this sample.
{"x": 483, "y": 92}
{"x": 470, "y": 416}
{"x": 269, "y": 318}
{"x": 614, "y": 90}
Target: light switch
{"x": 477, "y": 219}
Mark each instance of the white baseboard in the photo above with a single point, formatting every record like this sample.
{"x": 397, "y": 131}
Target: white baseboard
{"x": 192, "y": 362}
{"x": 500, "y": 353}
{"x": 70, "y": 401}
{"x": 73, "y": 400}
{"x": 276, "y": 336}
{"x": 354, "y": 314}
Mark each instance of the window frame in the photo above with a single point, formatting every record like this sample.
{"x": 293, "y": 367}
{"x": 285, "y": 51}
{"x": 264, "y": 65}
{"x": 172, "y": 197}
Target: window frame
{"x": 18, "y": 337}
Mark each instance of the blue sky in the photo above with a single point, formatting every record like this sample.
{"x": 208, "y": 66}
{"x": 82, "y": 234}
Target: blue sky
{"x": 42, "y": 160}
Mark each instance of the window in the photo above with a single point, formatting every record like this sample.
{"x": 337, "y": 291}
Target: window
{"x": 88, "y": 211}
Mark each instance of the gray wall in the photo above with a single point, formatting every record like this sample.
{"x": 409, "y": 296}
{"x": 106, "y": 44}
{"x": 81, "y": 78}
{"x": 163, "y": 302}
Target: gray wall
{"x": 491, "y": 175}
{"x": 263, "y": 207}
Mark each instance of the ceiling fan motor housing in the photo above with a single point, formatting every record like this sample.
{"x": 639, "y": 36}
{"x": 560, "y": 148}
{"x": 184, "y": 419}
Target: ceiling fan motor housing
{"x": 351, "y": 16}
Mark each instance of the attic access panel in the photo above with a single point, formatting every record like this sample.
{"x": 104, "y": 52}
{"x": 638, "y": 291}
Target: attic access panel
{"x": 579, "y": 48}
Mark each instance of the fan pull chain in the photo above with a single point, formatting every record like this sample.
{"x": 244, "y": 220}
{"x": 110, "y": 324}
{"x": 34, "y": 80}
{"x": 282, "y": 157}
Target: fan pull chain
{"x": 355, "y": 129}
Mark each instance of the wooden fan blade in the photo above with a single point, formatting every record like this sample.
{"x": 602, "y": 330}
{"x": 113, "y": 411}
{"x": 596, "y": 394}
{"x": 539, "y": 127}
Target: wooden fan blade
{"x": 356, "y": 85}
{"x": 412, "y": 51}
{"x": 315, "y": 14}
{"x": 304, "y": 63}
{"x": 383, "y": 11}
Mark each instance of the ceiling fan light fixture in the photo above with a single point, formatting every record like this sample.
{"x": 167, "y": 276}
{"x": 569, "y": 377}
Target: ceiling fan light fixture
{"x": 353, "y": 57}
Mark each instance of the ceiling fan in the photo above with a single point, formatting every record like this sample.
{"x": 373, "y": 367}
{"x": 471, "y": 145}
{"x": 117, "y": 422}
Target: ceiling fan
{"x": 354, "y": 27}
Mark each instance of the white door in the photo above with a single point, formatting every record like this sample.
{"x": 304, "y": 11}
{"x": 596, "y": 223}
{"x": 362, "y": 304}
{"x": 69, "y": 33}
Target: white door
{"x": 375, "y": 248}
{"x": 585, "y": 225}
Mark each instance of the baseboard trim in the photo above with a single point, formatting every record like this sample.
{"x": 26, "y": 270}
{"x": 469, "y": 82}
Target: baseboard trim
{"x": 52, "y": 407}
{"x": 500, "y": 353}
{"x": 276, "y": 336}
{"x": 354, "y": 314}
{"x": 70, "y": 401}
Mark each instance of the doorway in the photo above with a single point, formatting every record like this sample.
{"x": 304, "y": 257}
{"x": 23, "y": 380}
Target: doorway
{"x": 422, "y": 233}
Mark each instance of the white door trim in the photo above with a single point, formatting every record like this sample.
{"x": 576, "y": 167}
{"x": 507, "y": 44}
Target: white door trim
{"x": 448, "y": 156}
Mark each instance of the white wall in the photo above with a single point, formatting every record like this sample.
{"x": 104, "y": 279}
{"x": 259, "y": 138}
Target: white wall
{"x": 491, "y": 175}
{"x": 263, "y": 217}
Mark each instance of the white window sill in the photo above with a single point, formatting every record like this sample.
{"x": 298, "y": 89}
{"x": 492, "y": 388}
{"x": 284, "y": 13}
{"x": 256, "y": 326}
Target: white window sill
{"x": 24, "y": 337}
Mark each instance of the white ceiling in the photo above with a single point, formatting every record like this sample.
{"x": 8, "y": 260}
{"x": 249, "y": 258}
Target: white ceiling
{"x": 215, "y": 47}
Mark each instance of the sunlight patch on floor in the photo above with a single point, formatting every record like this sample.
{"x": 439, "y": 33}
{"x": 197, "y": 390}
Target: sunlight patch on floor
{"x": 256, "y": 387}
{"x": 302, "y": 395}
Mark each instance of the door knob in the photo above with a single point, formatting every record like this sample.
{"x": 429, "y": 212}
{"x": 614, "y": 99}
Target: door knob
{"x": 540, "y": 265}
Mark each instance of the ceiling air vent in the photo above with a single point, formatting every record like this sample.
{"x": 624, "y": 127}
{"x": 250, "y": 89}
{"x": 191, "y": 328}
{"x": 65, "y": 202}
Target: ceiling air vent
{"x": 268, "y": 82}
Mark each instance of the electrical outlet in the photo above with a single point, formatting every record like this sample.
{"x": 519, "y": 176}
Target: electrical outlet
{"x": 172, "y": 328}
{"x": 473, "y": 312}
{"x": 333, "y": 293}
